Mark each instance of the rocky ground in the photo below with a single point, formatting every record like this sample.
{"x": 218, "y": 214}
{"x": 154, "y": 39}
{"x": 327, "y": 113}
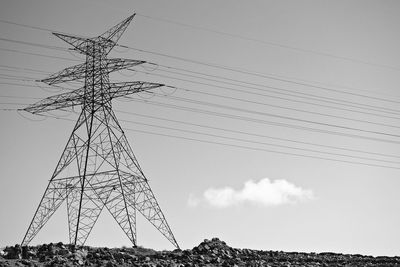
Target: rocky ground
{"x": 212, "y": 252}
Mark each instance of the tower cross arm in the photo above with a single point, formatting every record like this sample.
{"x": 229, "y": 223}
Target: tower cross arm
{"x": 78, "y": 72}
{"x": 106, "y": 40}
{"x": 73, "y": 73}
{"x": 80, "y": 44}
{"x": 127, "y": 88}
{"x": 76, "y": 97}
{"x": 111, "y": 36}
{"x": 59, "y": 101}
{"x": 115, "y": 64}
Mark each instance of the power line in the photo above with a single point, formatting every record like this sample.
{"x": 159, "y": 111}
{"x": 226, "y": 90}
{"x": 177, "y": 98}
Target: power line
{"x": 277, "y": 116}
{"x": 276, "y": 97}
{"x": 249, "y": 119}
{"x": 237, "y": 117}
{"x": 236, "y": 90}
{"x": 16, "y": 84}
{"x": 26, "y": 26}
{"x": 34, "y": 27}
{"x": 50, "y": 47}
{"x": 260, "y": 143}
{"x": 270, "y": 76}
{"x": 34, "y": 44}
{"x": 254, "y": 101}
{"x": 354, "y": 104}
{"x": 14, "y": 68}
{"x": 273, "y": 105}
{"x": 6, "y": 96}
{"x": 274, "y": 75}
{"x": 276, "y": 89}
{"x": 19, "y": 97}
{"x": 37, "y": 54}
{"x": 237, "y": 36}
{"x": 261, "y": 85}
{"x": 242, "y": 132}
{"x": 51, "y": 89}
{"x": 257, "y": 135}
{"x": 265, "y": 104}
{"x": 287, "y": 108}
{"x": 229, "y": 35}
{"x": 223, "y": 67}
{"x": 265, "y": 150}
{"x": 13, "y": 103}
{"x": 187, "y": 100}
{"x": 17, "y": 78}
{"x": 303, "y": 95}
{"x": 251, "y": 148}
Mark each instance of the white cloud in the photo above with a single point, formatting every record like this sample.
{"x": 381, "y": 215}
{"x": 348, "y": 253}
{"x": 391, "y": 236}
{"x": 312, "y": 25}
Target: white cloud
{"x": 264, "y": 192}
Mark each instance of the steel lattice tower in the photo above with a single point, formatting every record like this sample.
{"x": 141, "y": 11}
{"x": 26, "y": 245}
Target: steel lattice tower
{"x": 105, "y": 170}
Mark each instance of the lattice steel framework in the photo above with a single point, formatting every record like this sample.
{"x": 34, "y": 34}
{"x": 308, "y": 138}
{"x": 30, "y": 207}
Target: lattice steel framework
{"x": 97, "y": 168}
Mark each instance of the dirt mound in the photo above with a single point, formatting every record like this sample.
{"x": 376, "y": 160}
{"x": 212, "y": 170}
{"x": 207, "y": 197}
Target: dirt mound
{"x": 212, "y": 252}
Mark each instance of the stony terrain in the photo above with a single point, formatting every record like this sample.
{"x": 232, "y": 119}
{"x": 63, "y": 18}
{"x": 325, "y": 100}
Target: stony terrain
{"x": 212, "y": 252}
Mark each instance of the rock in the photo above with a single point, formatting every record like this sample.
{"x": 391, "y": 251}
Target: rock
{"x": 27, "y": 262}
{"x": 63, "y": 251}
{"x": 13, "y": 252}
{"x": 212, "y": 252}
{"x": 80, "y": 256}
{"x": 111, "y": 264}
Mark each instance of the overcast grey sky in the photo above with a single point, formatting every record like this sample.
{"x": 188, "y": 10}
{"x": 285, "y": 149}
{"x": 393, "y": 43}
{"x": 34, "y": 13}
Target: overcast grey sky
{"x": 251, "y": 198}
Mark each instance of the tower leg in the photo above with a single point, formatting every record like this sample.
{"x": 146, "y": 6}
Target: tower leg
{"x": 57, "y": 189}
{"x": 91, "y": 208}
{"x": 142, "y": 197}
{"x": 55, "y": 194}
{"x": 136, "y": 191}
{"x": 123, "y": 212}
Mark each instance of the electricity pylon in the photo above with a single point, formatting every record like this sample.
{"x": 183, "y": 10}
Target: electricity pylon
{"x": 97, "y": 168}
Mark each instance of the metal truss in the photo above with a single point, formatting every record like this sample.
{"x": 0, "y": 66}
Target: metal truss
{"x": 77, "y": 97}
{"x": 78, "y": 72}
{"x": 97, "y": 168}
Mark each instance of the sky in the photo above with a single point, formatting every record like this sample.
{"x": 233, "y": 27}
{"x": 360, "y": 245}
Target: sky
{"x": 295, "y": 148}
